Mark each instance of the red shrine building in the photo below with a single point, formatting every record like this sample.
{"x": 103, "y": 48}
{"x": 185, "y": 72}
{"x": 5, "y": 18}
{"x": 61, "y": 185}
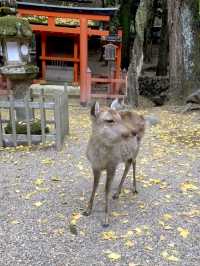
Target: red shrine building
{"x": 65, "y": 36}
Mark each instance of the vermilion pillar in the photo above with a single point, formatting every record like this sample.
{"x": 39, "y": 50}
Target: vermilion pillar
{"x": 43, "y": 41}
{"x": 118, "y": 57}
{"x": 75, "y": 63}
{"x": 83, "y": 60}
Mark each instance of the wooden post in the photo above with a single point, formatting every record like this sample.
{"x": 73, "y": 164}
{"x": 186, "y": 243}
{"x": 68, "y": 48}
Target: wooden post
{"x": 1, "y": 132}
{"x": 13, "y": 120}
{"x": 57, "y": 122}
{"x": 43, "y": 43}
{"x": 75, "y": 63}
{"x": 89, "y": 83}
{"x": 83, "y": 61}
{"x": 66, "y": 108}
{"x": 42, "y": 115}
{"x": 118, "y": 57}
{"x": 27, "y": 111}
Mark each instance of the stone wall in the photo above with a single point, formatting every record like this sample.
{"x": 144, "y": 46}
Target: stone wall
{"x": 154, "y": 88}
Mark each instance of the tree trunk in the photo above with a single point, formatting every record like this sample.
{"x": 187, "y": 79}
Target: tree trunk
{"x": 148, "y": 31}
{"x": 125, "y": 21}
{"x": 163, "y": 54}
{"x": 184, "y": 54}
{"x": 175, "y": 48}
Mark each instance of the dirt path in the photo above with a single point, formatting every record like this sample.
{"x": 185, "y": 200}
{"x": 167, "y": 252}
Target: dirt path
{"x": 43, "y": 191}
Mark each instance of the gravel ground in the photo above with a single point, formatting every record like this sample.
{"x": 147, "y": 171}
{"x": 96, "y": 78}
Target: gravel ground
{"x": 43, "y": 193}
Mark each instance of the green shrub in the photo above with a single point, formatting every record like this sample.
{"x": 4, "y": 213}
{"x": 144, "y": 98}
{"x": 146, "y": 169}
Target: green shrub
{"x": 21, "y": 128}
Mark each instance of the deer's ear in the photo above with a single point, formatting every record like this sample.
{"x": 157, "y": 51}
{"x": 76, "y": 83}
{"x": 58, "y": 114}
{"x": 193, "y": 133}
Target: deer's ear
{"x": 95, "y": 109}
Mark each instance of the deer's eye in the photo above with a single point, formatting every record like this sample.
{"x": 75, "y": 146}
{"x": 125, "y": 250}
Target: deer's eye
{"x": 110, "y": 121}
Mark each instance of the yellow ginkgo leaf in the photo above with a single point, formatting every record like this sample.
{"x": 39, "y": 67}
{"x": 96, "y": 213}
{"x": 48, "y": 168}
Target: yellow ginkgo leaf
{"x": 169, "y": 257}
{"x": 109, "y": 235}
{"x": 183, "y": 232}
{"x": 164, "y": 254}
{"x": 155, "y": 181}
{"x": 129, "y": 244}
{"x": 39, "y": 181}
{"x": 30, "y": 194}
{"x": 167, "y": 216}
{"x": 113, "y": 256}
{"x": 15, "y": 222}
{"x": 172, "y": 258}
{"x": 188, "y": 186}
{"x": 38, "y": 203}
{"x": 47, "y": 161}
{"x": 148, "y": 248}
{"x": 128, "y": 234}
{"x": 75, "y": 217}
{"x": 138, "y": 231}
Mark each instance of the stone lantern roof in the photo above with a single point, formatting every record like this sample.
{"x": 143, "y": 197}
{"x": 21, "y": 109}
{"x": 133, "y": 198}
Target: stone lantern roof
{"x": 12, "y": 26}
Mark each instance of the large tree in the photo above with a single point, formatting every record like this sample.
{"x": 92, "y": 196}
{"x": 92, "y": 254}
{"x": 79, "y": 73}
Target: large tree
{"x": 184, "y": 48}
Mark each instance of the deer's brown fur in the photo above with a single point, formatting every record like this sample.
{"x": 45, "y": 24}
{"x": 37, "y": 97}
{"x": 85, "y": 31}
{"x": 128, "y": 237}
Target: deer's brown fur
{"x": 115, "y": 138}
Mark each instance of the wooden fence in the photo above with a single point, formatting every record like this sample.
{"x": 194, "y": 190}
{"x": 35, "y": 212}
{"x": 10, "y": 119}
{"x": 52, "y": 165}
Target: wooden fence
{"x": 116, "y": 88}
{"x": 50, "y": 109}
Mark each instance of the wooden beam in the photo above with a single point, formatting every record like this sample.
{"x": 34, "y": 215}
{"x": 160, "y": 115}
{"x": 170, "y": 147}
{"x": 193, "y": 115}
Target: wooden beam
{"x": 59, "y": 58}
{"x": 56, "y": 29}
{"x": 67, "y": 30}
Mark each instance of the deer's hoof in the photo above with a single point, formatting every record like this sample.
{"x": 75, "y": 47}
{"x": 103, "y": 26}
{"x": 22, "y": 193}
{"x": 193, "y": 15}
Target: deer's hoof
{"x": 106, "y": 221}
{"x": 115, "y": 196}
{"x": 105, "y": 225}
{"x": 87, "y": 213}
{"x": 135, "y": 191}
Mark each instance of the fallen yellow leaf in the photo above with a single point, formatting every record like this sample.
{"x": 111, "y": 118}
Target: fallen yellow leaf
{"x": 109, "y": 235}
{"x": 167, "y": 216}
{"x": 129, "y": 244}
{"x": 75, "y": 217}
{"x": 113, "y": 256}
{"x": 38, "y": 203}
{"x": 39, "y": 181}
{"x": 138, "y": 231}
{"x": 14, "y": 222}
{"x": 188, "y": 186}
{"x": 183, "y": 232}
{"x": 169, "y": 257}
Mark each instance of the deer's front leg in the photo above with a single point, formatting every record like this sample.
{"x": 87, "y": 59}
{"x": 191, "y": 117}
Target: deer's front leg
{"x": 134, "y": 179}
{"x": 127, "y": 167}
{"x": 109, "y": 179}
{"x": 97, "y": 174}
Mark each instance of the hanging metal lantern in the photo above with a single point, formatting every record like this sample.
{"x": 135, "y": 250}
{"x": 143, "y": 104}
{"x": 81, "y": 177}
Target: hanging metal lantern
{"x": 110, "y": 52}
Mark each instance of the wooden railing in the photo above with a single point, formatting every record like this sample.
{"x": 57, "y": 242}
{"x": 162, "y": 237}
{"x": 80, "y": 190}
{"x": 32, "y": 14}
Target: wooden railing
{"x": 115, "y": 87}
{"x": 36, "y": 105}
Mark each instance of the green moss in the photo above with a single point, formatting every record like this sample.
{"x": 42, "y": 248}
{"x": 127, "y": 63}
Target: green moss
{"x": 21, "y": 128}
{"x": 11, "y": 26}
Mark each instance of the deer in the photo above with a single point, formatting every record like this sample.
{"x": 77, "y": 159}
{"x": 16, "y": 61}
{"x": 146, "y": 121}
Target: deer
{"x": 116, "y": 137}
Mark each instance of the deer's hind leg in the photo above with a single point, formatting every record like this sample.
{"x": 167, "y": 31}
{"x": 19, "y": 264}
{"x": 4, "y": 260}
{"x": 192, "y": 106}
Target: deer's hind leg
{"x": 109, "y": 179}
{"x": 97, "y": 174}
{"x": 134, "y": 178}
{"x": 127, "y": 167}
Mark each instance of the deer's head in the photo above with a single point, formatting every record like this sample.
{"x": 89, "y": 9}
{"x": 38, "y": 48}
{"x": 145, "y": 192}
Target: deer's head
{"x": 110, "y": 126}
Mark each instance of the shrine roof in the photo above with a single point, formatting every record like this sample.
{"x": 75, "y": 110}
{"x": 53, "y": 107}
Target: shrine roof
{"x": 81, "y": 7}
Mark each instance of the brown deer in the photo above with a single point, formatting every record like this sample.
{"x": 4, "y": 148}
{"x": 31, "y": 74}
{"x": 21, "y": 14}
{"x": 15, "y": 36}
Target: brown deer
{"x": 115, "y": 138}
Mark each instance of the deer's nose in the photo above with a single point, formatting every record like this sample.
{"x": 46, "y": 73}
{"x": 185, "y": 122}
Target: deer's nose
{"x": 133, "y": 133}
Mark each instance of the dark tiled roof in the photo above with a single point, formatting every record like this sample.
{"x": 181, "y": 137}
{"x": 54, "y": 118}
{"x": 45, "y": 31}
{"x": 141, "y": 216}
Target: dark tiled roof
{"x": 52, "y": 6}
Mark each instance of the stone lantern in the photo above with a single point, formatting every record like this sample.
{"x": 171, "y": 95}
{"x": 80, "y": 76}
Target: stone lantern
{"x": 15, "y": 41}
